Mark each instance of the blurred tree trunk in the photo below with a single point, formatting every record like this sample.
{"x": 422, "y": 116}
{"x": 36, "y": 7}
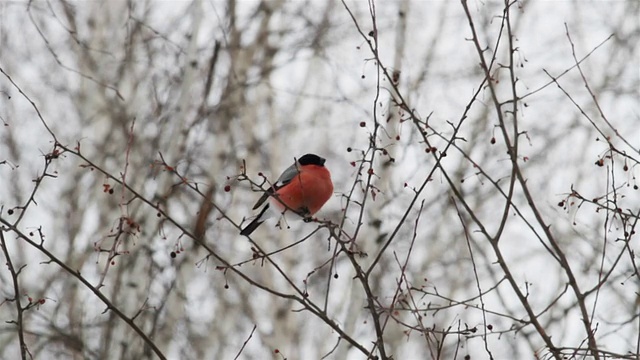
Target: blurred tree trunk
{"x": 152, "y": 117}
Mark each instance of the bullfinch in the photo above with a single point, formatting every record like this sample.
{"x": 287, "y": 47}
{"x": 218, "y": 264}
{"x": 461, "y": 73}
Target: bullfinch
{"x": 303, "y": 188}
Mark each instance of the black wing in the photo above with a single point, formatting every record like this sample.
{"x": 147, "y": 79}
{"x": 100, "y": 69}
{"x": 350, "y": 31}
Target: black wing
{"x": 285, "y": 178}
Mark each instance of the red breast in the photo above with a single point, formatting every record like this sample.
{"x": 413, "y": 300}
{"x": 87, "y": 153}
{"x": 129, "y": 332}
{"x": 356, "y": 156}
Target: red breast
{"x": 307, "y": 191}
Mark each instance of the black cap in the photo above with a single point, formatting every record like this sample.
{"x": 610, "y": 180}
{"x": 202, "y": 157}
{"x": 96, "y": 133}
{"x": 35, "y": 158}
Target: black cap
{"x": 311, "y": 159}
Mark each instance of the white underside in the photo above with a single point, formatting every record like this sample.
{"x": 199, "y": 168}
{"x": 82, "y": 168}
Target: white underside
{"x": 284, "y": 217}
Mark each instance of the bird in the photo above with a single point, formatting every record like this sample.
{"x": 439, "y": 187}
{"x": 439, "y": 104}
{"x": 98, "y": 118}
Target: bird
{"x": 302, "y": 188}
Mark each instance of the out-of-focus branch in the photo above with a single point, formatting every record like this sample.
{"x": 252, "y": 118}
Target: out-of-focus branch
{"x": 76, "y": 274}
{"x": 19, "y": 321}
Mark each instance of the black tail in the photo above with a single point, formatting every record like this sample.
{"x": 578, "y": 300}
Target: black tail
{"x": 255, "y": 223}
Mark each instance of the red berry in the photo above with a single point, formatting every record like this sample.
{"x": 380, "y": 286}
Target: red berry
{"x": 227, "y": 188}
{"x": 363, "y": 124}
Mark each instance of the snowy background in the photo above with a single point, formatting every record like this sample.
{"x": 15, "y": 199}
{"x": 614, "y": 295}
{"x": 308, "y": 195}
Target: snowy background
{"x": 171, "y": 98}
